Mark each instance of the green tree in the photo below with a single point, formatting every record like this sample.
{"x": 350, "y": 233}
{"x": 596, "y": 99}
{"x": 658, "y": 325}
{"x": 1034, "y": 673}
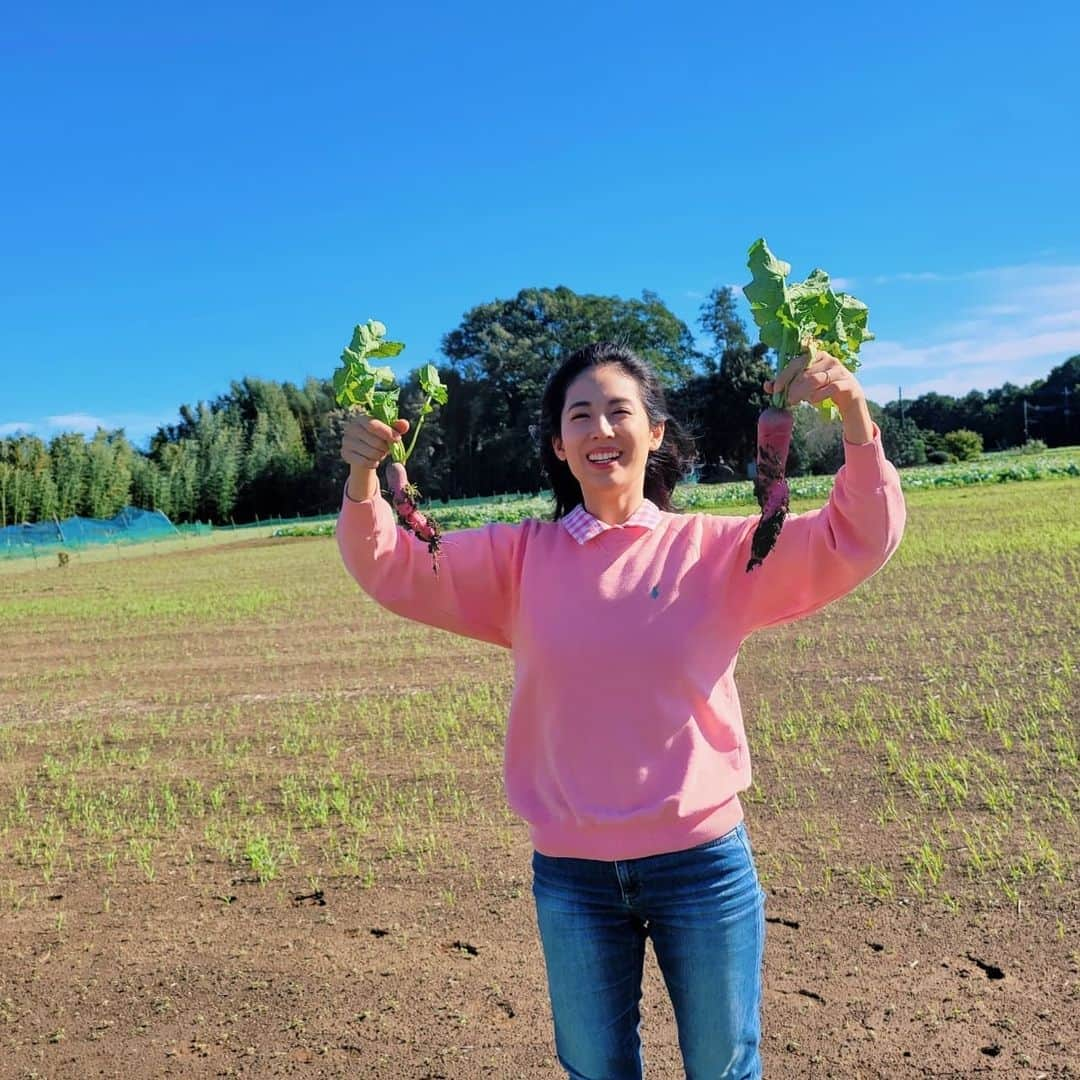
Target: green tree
{"x": 277, "y": 460}
{"x": 721, "y": 405}
{"x": 220, "y": 441}
{"x": 937, "y": 412}
{"x": 719, "y": 318}
{"x": 449, "y": 460}
{"x": 310, "y": 404}
{"x": 68, "y": 463}
{"x": 963, "y": 444}
{"x": 505, "y": 350}
{"x": 14, "y": 484}
{"x": 7, "y": 479}
{"x": 820, "y": 442}
{"x": 108, "y": 474}
{"x": 902, "y": 441}
{"x": 177, "y": 493}
{"x": 221, "y": 449}
{"x": 46, "y": 503}
{"x": 1054, "y": 405}
{"x": 720, "y": 408}
{"x": 328, "y": 470}
{"x": 27, "y": 466}
{"x": 146, "y": 484}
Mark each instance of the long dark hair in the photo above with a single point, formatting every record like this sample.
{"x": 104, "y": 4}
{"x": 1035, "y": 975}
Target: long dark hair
{"x": 666, "y": 465}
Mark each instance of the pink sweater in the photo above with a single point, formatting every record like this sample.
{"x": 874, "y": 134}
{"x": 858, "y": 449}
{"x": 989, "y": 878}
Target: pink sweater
{"x": 625, "y": 735}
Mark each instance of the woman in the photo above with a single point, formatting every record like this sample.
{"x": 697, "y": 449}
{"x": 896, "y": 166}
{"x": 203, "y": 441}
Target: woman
{"x": 625, "y": 749}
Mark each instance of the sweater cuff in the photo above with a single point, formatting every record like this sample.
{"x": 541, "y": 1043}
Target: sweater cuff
{"x": 361, "y": 514}
{"x": 866, "y": 468}
{"x": 349, "y": 499}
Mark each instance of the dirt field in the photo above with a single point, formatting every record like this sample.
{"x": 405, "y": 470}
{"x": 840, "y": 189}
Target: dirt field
{"x": 252, "y": 825}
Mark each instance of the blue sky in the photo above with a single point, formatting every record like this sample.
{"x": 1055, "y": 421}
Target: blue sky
{"x": 195, "y": 194}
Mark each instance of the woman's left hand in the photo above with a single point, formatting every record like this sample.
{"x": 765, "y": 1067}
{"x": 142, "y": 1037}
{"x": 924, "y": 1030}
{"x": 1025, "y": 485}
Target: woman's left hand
{"x": 815, "y": 376}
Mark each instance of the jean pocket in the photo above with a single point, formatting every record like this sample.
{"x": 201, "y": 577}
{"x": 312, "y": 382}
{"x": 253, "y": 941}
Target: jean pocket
{"x": 744, "y": 837}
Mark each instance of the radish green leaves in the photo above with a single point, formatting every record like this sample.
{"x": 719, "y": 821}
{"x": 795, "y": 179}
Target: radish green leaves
{"x": 374, "y": 389}
{"x": 356, "y": 382}
{"x": 790, "y": 317}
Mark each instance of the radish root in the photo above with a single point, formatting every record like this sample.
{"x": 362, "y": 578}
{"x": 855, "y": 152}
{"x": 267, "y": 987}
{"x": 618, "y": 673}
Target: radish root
{"x": 406, "y": 498}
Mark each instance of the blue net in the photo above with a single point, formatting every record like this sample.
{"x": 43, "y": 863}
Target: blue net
{"x": 128, "y": 526}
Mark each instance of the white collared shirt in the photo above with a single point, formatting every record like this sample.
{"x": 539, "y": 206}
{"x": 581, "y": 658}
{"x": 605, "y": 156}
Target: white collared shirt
{"x": 582, "y": 526}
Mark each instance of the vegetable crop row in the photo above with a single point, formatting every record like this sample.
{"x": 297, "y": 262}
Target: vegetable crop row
{"x": 719, "y": 496}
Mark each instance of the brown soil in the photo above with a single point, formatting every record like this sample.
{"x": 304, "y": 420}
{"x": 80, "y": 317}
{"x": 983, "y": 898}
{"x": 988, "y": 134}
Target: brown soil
{"x": 204, "y": 972}
{"x": 222, "y": 977}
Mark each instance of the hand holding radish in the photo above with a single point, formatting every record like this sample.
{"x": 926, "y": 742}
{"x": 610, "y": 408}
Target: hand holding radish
{"x": 816, "y": 376}
{"x": 816, "y": 333}
{"x": 376, "y": 430}
{"x": 364, "y": 443}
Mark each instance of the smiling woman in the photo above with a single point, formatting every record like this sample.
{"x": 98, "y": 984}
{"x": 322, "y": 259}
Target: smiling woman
{"x": 625, "y": 748}
{"x": 607, "y": 439}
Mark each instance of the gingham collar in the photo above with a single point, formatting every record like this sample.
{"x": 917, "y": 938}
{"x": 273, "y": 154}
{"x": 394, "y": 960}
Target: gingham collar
{"x": 582, "y": 526}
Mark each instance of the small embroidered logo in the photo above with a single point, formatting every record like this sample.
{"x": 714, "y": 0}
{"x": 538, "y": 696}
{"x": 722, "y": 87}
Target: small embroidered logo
{"x": 655, "y": 591}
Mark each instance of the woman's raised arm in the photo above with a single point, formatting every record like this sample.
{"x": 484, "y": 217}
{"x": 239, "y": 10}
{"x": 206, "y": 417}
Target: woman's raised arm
{"x": 474, "y": 592}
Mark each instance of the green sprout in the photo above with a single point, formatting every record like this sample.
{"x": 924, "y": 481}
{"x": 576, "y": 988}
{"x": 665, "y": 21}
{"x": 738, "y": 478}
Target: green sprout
{"x": 357, "y": 383}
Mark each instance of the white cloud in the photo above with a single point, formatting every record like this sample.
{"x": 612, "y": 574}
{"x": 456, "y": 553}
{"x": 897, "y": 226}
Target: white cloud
{"x": 1059, "y": 318}
{"x": 1059, "y": 343}
{"x": 1065, "y": 290}
{"x": 976, "y": 350}
{"x": 996, "y": 311}
{"x": 1037, "y": 277}
{"x": 885, "y": 279}
{"x": 1011, "y": 324}
{"x": 1021, "y": 322}
{"x": 957, "y": 367}
{"x": 138, "y": 427}
{"x": 954, "y": 383}
{"x": 16, "y": 427}
{"x": 75, "y": 422}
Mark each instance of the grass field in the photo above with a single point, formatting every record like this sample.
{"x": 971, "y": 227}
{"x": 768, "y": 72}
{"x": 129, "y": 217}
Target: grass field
{"x": 252, "y": 824}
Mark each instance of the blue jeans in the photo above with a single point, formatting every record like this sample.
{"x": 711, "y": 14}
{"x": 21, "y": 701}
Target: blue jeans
{"x": 703, "y": 909}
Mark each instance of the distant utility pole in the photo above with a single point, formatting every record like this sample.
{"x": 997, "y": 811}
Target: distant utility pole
{"x": 1035, "y": 409}
{"x": 900, "y": 393}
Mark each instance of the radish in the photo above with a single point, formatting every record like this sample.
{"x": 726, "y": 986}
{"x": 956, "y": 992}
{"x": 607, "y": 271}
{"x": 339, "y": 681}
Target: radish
{"x": 405, "y": 498}
{"x": 770, "y": 488}
{"x": 793, "y": 319}
{"x": 359, "y": 385}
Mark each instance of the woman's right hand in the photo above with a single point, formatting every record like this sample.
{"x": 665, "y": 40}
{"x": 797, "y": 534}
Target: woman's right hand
{"x": 364, "y": 443}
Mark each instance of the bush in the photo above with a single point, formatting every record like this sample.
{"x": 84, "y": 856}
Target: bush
{"x": 904, "y": 443}
{"x": 940, "y": 457}
{"x": 818, "y": 443}
{"x": 963, "y": 444}
{"x": 1033, "y": 446}
{"x": 933, "y": 441}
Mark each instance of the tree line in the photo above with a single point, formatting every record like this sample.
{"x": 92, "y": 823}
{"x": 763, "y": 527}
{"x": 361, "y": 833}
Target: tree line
{"x": 268, "y": 449}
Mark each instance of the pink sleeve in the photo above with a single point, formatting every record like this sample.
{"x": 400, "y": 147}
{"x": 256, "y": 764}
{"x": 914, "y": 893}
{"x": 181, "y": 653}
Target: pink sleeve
{"x": 823, "y": 554}
{"x": 474, "y": 591}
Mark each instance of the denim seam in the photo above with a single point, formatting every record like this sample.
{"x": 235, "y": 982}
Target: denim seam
{"x": 744, "y": 839}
